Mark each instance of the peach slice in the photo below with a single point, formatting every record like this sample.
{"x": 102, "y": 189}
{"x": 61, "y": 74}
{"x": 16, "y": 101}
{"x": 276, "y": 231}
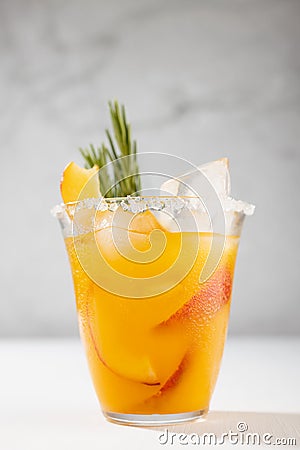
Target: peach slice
{"x": 166, "y": 347}
{"x": 174, "y": 379}
{"x": 142, "y": 223}
{"x": 133, "y": 367}
{"x": 190, "y": 386}
{"x": 78, "y": 183}
{"x": 145, "y": 222}
{"x": 212, "y": 295}
{"x": 187, "y": 389}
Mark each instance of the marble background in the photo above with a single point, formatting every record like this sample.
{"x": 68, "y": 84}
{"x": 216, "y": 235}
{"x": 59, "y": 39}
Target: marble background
{"x": 200, "y": 78}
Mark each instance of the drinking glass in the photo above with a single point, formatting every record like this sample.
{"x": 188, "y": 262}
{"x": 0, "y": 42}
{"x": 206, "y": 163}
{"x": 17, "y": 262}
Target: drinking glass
{"x": 153, "y": 286}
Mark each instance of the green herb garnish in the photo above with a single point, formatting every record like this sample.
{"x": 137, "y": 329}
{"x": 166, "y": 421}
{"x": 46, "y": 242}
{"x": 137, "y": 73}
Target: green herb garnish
{"x": 124, "y": 178}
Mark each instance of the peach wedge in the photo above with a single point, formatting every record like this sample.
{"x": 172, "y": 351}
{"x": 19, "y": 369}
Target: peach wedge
{"x": 78, "y": 183}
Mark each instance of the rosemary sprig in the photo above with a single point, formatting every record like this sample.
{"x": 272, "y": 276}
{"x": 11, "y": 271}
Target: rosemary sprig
{"x": 125, "y": 178}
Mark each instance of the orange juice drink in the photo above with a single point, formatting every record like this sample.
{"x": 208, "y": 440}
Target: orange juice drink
{"x": 153, "y": 331}
{"x": 153, "y": 280}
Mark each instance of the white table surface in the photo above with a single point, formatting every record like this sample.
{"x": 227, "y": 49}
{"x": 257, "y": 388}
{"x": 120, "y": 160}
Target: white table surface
{"x": 47, "y": 399}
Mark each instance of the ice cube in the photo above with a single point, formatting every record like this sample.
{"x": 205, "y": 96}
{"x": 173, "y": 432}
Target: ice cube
{"x": 190, "y": 183}
{"x": 209, "y": 184}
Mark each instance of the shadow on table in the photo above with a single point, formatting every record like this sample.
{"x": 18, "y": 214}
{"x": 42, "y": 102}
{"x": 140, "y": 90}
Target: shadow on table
{"x": 278, "y": 425}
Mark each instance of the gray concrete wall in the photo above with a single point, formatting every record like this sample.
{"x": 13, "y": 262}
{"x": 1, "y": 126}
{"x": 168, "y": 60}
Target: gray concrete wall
{"x": 202, "y": 79}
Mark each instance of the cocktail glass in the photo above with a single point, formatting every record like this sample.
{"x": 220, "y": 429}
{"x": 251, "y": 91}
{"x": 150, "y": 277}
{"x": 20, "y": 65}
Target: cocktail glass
{"x": 153, "y": 286}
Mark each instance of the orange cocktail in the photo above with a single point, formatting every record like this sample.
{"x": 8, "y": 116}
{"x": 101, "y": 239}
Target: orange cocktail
{"x": 152, "y": 277}
{"x": 153, "y": 332}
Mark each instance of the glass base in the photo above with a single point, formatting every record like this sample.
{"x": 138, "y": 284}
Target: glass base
{"x": 150, "y": 420}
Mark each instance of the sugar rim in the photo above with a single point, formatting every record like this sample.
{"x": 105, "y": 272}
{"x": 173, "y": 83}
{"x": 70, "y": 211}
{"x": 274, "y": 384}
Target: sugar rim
{"x": 143, "y": 203}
